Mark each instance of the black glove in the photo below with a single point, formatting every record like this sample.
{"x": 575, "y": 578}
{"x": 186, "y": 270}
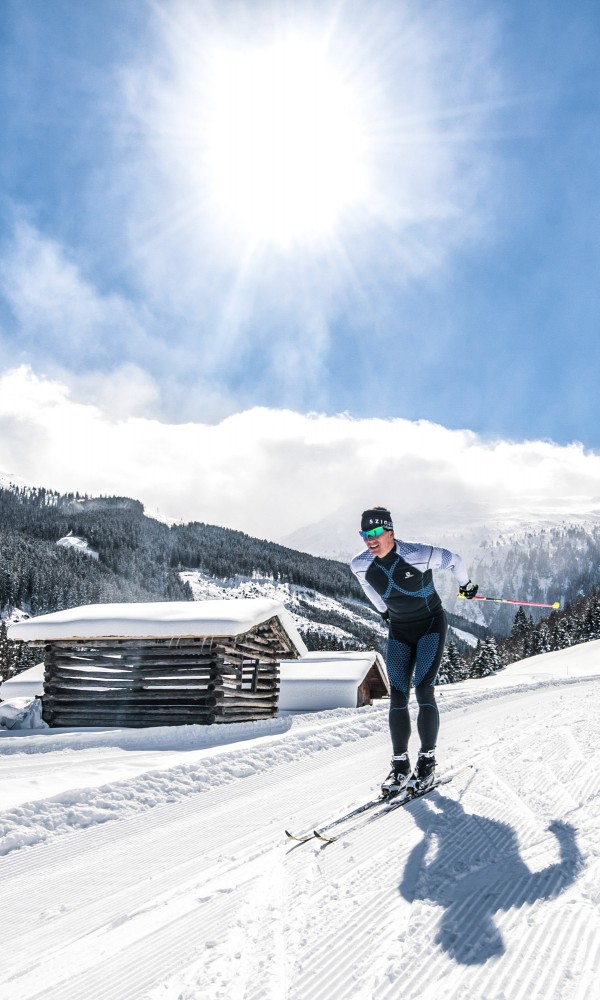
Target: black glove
{"x": 385, "y": 615}
{"x": 469, "y": 590}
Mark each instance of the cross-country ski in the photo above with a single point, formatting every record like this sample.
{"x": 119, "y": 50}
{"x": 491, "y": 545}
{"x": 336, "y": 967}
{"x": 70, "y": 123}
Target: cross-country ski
{"x": 326, "y": 834}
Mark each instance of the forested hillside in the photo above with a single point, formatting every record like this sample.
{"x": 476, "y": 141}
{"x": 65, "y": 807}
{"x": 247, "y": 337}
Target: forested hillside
{"x": 139, "y": 558}
{"x": 553, "y": 563}
{"x": 39, "y": 576}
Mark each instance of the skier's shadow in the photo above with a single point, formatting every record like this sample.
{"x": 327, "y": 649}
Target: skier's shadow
{"x": 476, "y": 872}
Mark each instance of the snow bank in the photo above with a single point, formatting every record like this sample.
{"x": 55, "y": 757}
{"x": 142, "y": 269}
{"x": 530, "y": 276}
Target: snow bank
{"x": 22, "y": 713}
{"x": 582, "y": 660}
{"x": 578, "y": 661}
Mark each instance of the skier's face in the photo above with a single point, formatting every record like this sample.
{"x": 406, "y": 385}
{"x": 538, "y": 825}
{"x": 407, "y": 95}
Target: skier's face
{"x": 381, "y": 545}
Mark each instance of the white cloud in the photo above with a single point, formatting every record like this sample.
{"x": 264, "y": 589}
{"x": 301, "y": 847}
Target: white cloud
{"x": 105, "y": 347}
{"x": 269, "y": 472}
{"x": 55, "y": 307}
{"x": 127, "y": 390}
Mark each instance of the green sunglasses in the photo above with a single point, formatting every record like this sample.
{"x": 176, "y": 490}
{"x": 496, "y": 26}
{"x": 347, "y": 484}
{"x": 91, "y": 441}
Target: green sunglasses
{"x": 372, "y": 532}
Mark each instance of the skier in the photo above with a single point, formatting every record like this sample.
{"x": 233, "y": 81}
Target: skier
{"x": 397, "y": 578}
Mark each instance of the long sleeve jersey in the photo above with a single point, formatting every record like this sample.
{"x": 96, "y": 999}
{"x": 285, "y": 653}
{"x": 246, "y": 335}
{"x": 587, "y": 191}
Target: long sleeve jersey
{"x": 402, "y": 581}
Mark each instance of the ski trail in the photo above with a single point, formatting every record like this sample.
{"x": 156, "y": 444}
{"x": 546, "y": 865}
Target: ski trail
{"x": 490, "y": 903}
{"x": 201, "y": 898}
{"x": 106, "y": 899}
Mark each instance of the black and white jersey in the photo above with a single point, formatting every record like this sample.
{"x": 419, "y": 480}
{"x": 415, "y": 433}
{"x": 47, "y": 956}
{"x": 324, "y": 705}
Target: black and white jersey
{"x": 402, "y": 582}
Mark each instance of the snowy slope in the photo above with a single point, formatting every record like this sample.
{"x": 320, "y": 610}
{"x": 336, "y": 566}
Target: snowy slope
{"x": 152, "y": 864}
{"x": 71, "y": 541}
{"x": 299, "y": 601}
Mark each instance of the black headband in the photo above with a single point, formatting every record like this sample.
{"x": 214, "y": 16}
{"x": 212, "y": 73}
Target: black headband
{"x": 376, "y": 517}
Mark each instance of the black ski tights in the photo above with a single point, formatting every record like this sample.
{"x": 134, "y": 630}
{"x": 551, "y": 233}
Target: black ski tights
{"x": 415, "y": 649}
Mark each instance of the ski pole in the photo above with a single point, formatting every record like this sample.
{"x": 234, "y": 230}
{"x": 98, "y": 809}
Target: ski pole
{"x": 507, "y": 600}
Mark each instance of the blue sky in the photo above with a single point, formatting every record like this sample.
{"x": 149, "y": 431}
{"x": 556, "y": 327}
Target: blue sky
{"x": 449, "y": 274}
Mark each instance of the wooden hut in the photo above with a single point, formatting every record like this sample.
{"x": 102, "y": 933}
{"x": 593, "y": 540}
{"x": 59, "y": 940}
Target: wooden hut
{"x": 162, "y": 663}
{"x": 323, "y": 680}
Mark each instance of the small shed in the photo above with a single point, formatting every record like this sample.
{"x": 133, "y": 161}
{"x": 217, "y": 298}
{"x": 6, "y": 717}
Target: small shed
{"x": 322, "y": 680}
{"x": 162, "y": 663}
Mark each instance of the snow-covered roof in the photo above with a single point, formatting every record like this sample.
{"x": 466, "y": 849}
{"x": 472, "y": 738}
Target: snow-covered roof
{"x": 28, "y": 684}
{"x": 322, "y": 680}
{"x": 158, "y": 620}
{"x": 319, "y": 665}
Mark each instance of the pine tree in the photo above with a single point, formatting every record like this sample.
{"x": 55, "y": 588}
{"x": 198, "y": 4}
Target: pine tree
{"x": 486, "y": 660}
{"x": 493, "y": 657}
{"x": 452, "y": 668}
{"x": 590, "y": 624}
{"x": 520, "y": 624}
{"x": 563, "y": 633}
{"x": 14, "y": 656}
{"x": 541, "y": 640}
{"x": 6, "y": 658}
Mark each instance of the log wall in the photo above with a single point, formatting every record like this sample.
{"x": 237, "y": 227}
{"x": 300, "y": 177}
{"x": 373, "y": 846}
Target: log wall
{"x": 161, "y": 682}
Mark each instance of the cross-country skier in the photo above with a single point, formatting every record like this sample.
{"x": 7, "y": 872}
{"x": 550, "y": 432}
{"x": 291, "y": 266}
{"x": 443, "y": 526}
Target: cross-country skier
{"x": 397, "y": 578}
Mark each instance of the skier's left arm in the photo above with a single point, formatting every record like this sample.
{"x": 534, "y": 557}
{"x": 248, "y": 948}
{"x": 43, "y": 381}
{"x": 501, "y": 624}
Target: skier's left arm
{"x": 444, "y": 559}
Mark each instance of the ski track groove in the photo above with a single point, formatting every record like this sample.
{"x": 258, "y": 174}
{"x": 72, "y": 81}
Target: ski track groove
{"x": 133, "y": 972}
{"x": 336, "y": 973}
{"x": 541, "y": 950}
{"x": 135, "y": 887}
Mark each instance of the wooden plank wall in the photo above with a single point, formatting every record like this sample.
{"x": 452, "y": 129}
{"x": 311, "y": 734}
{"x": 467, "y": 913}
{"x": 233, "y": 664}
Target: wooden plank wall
{"x": 155, "y": 682}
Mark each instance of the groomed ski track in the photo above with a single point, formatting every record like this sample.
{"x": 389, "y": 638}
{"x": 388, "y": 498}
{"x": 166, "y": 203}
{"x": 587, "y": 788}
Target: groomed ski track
{"x": 488, "y": 887}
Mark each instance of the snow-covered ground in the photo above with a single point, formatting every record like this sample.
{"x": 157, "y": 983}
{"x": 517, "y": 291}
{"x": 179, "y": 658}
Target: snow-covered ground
{"x": 153, "y": 864}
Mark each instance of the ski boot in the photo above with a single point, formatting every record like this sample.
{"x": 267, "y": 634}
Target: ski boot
{"x": 423, "y": 775}
{"x": 398, "y": 776}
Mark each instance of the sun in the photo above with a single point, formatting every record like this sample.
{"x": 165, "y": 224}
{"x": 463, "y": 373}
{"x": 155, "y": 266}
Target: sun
{"x": 285, "y": 141}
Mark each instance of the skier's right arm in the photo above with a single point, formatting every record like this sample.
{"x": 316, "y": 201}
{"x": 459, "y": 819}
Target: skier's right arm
{"x": 359, "y": 567}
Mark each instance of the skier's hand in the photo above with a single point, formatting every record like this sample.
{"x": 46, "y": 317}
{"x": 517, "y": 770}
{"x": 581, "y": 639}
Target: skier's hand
{"x": 386, "y": 616}
{"x": 469, "y": 590}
